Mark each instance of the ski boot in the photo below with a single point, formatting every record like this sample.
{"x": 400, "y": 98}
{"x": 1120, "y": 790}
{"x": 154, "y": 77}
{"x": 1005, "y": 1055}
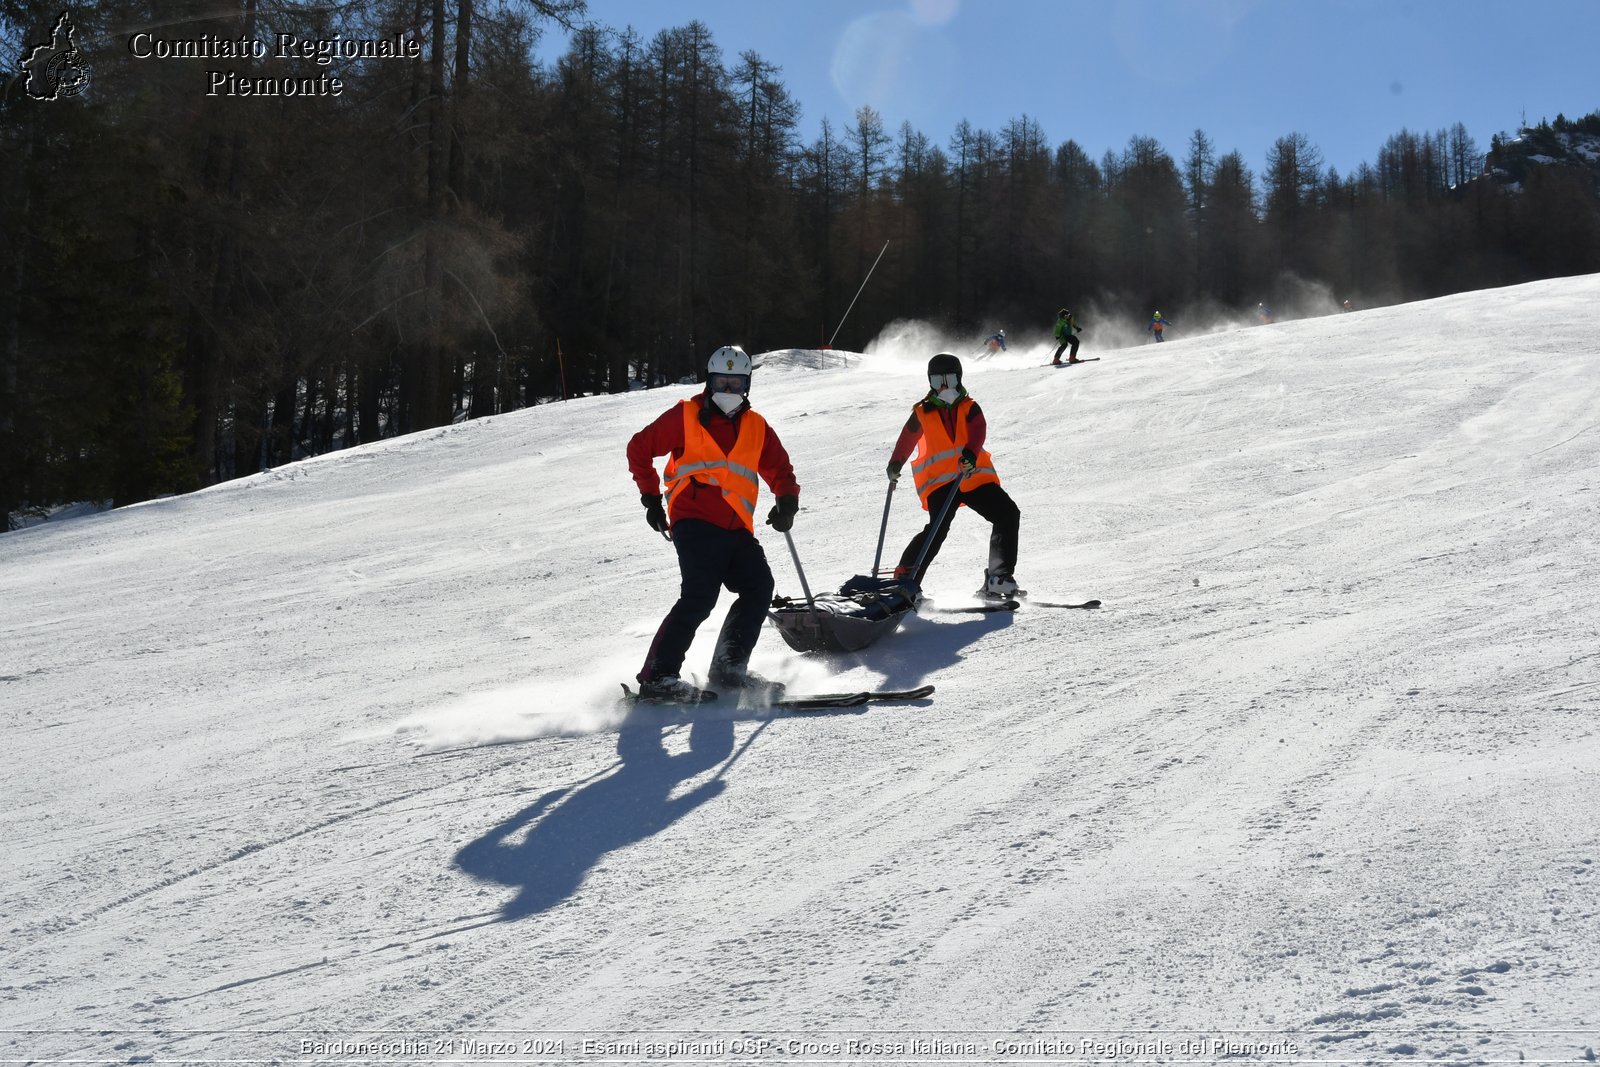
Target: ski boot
{"x": 749, "y": 684}
{"x": 670, "y": 689}
{"x": 1000, "y": 587}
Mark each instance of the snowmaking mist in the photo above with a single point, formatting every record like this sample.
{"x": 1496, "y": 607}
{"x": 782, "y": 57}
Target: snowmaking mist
{"x": 585, "y": 704}
{"x": 587, "y": 700}
{"x": 906, "y": 345}
{"x": 1111, "y": 321}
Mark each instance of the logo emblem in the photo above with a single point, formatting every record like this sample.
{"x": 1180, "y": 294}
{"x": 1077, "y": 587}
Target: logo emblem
{"x": 56, "y": 69}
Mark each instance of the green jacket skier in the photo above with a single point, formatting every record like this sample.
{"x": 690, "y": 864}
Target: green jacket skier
{"x": 1066, "y": 329}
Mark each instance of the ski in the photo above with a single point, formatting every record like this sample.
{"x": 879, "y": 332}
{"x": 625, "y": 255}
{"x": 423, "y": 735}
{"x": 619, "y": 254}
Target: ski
{"x": 904, "y": 694}
{"x": 1008, "y": 605}
{"x": 798, "y": 702}
{"x": 975, "y": 609}
{"x": 1073, "y": 363}
{"x": 866, "y": 697}
{"x": 706, "y": 697}
{"x": 814, "y": 701}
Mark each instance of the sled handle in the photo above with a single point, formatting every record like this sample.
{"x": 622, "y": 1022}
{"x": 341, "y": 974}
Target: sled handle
{"x": 884, "y": 528}
{"x": 950, "y": 503}
{"x": 810, "y": 601}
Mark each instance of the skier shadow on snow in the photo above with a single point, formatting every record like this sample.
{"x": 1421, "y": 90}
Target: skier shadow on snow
{"x": 579, "y": 827}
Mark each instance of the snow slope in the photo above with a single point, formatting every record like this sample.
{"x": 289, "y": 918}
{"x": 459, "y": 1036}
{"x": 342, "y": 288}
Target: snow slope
{"x": 332, "y": 754}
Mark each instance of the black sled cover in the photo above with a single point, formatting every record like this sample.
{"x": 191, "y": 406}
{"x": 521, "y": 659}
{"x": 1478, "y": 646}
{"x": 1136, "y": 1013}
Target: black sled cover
{"x": 864, "y": 609}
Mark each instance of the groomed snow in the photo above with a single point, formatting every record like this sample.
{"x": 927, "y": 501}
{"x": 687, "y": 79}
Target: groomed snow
{"x": 332, "y": 754}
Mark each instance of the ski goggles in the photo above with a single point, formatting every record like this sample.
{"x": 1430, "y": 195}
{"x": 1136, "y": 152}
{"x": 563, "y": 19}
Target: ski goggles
{"x": 729, "y": 383}
{"x": 944, "y": 381}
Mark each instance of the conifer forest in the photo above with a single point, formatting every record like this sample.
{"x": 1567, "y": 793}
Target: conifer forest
{"x": 197, "y": 287}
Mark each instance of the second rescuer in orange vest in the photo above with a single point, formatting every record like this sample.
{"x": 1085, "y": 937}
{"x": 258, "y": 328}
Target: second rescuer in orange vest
{"x": 948, "y": 430}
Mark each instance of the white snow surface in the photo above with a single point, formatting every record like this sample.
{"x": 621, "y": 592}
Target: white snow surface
{"x": 333, "y": 754}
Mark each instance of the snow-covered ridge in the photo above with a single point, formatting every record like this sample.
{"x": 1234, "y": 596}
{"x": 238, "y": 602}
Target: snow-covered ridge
{"x": 1576, "y": 145}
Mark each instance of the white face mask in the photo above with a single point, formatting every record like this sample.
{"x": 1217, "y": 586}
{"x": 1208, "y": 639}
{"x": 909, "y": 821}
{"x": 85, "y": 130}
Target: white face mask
{"x": 728, "y": 402}
{"x": 948, "y": 395}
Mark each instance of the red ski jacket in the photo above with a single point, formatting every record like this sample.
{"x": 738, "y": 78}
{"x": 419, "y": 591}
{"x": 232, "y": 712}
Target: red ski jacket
{"x": 664, "y": 437}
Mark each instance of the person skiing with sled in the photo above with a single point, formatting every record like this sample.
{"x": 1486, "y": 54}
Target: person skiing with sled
{"x": 717, "y": 444}
{"x": 948, "y": 431}
{"x": 1066, "y": 330}
{"x": 996, "y": 342}
{"x": 1157, "y": 324}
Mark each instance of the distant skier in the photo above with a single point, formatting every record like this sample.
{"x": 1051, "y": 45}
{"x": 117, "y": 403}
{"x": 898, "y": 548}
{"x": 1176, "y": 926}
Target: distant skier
{"x": 948, "y": 430}
{"x": 1158, "y": 324}
{"x": 1347, "y": 306}
{"x": 717, "y": 444}
{"x": 1264, "y": 314}
{"x": 996, "y": 342}
{"x": 1067, "y": 329}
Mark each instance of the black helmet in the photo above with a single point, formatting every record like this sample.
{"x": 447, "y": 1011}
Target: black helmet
{"x": 944, "y": 363}
{"x": 1063, "y": 313}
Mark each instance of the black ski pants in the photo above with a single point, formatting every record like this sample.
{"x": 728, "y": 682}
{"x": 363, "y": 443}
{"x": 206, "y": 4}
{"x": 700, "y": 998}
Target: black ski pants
{"x": 1070, "y": 342}
{"x": 990, "y": 501}
{"x": 709, "y": 558}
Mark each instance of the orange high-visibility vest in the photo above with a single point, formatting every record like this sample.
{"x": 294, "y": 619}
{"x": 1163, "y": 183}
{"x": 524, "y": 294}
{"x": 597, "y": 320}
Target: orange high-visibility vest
{"x": 703, "y": 461}
{"x": 938, "y": 456}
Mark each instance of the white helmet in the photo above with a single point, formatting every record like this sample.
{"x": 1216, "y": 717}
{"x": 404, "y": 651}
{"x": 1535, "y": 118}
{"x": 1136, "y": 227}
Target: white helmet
{"x": 730, "y": 359}
{"x": 728, "y": 379}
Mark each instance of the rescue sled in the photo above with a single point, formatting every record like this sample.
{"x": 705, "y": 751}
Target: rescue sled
{"x": 866, "y": 608}
{"x": 862, "y": 611}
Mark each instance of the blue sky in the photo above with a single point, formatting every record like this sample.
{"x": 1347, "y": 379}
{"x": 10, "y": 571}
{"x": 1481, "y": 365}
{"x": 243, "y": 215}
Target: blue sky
{"x": 1346, "y": 73}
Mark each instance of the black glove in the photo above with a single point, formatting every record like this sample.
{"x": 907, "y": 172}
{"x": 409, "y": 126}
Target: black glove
{"x": 969, "y": 461}
{"x": 654, "y": 514}
{"x": 781, "y": 517}
{"x": 894, "y": 471}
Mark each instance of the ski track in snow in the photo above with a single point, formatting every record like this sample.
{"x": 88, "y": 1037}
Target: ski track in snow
{"x": 335, "y": 751}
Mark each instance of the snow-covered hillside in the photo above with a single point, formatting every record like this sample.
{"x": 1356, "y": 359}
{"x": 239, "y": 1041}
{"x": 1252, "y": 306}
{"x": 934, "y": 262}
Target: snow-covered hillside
{"x": 332, "y": 754}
